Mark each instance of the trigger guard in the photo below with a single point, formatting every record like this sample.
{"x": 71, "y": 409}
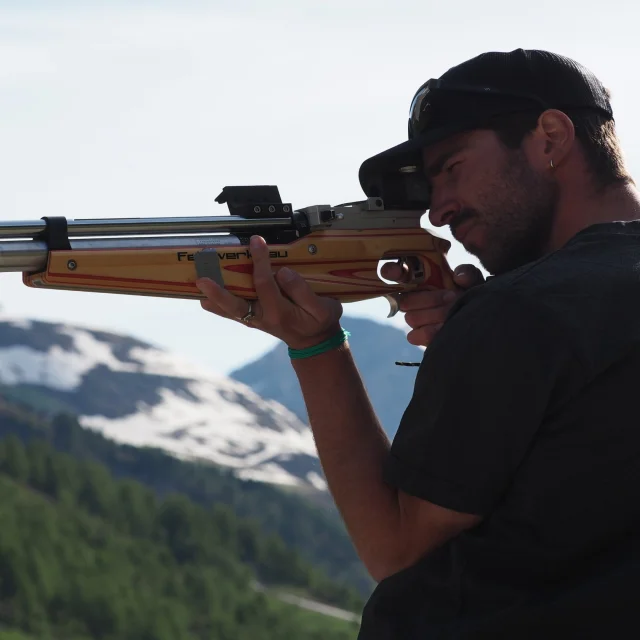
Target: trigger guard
{"x": 393, "y": 304}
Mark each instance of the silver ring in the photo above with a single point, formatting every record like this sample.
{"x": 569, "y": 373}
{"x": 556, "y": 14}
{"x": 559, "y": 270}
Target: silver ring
{"x": 250, "y": 314}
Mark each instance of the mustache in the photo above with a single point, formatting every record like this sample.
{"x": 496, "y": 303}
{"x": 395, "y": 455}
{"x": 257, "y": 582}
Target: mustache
{"x": 460, "y": 217}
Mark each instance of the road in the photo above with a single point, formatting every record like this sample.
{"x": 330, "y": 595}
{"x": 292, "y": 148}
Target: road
{"x": 311, "y": 605}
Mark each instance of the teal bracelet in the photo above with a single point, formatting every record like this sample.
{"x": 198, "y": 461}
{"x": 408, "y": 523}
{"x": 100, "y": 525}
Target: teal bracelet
{"x": 333, "y": 342}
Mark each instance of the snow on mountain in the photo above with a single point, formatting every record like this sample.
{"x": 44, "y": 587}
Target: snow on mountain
{"x": 138, "y": 394}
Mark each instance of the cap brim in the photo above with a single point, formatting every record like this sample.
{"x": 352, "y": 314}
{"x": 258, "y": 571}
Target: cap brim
{"x": 388, "y": 175}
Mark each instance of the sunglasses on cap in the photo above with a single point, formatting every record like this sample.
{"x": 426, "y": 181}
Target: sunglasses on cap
{"x": 419, "y": 111}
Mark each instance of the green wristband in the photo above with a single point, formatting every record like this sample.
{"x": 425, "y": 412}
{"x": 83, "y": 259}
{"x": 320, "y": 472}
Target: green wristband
{"x": 331, "y": 343}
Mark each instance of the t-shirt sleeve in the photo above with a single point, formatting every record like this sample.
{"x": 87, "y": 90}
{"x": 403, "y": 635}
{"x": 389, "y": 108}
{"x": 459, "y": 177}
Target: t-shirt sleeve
{"x": 496, "y": 368}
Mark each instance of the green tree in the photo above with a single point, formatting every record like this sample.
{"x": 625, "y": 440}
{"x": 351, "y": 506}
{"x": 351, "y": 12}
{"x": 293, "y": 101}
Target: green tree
{"x": 15, "y": 462}
{"x": 137, "y": 508}
{"x": 63, "y": 479}
{"x": 96, "y": 492}
{"x": 38, "y": 455}
{"x": 31, "y": 614}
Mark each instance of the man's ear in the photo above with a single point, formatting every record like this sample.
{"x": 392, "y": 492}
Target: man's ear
{"x": 553, "y": 138}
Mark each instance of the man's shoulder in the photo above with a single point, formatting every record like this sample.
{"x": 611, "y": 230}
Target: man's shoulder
{"x": 492, "y": 310}
{"x": 596, "y": 259}
{"x": 586, "y": 294}
{"x": 532, "y": 286}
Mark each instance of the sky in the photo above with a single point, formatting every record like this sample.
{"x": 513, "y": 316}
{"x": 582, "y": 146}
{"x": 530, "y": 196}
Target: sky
{"x": 147, "y": 109}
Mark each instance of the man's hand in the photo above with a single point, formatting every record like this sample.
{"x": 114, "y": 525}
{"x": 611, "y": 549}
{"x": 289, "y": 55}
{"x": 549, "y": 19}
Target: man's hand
{"x": 426, "y": 311}
{"x": 286, "y": 308}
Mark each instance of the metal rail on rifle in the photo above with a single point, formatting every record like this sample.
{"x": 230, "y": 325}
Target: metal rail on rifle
{"x": 337, "y": 249}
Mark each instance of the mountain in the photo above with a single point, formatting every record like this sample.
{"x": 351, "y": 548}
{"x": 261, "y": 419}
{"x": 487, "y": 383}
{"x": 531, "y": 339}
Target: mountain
{"x": 376, "y": 348}
{"x": 137, "y": 394}
{"x": 316, "y": 535}
{"x": 146, "y": 414}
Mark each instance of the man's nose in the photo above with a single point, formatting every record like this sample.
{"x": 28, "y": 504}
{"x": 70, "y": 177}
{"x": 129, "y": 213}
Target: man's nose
{"x": 443, "y": 211}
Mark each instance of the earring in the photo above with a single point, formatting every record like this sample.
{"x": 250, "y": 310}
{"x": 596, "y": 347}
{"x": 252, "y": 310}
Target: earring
{"x": 551, "y": 164}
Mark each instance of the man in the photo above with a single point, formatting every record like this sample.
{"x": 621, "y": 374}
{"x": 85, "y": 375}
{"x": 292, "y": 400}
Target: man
{"x": 508, "y": 505}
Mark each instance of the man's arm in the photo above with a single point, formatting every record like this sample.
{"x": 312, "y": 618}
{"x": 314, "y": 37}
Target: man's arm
{"x": 468, "y": 426}
{"x": 389, "y": 528}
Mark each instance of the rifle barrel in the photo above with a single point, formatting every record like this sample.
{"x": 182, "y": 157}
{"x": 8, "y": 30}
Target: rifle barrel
{"x": 138, "y": 226}
{"x": 23, "y": 255}
{"x": 31, "y": 255}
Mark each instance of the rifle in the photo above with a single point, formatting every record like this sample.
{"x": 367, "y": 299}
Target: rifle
{"x": 336, "y": 249}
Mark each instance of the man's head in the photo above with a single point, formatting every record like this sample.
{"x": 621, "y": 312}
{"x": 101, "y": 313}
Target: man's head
{"x": 493, "y": 145}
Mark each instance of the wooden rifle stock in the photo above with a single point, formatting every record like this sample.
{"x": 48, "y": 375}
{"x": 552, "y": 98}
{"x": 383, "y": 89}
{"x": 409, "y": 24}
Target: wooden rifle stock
{"x": 337, "y": 250}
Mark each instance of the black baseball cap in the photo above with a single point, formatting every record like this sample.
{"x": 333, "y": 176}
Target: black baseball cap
{"x": 471, "y": 95}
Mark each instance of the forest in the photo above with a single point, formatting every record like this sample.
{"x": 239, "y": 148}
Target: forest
{"x": 310, "y": 525}
{"x": 86, "y": 555}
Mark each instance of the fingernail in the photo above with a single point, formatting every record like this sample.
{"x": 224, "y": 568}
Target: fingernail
{"x": 254, "y": 242}
{"x": 285, "y": 274}
{"x": 201, "y": 285}
{"x": 449, "y": 296}
{"x": 460, "y": 271}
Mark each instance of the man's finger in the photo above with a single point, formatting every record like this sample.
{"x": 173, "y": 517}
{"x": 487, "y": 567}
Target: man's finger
{"x": 395, "y": 272}
{"x": 467, "y": 276}
{"x": 423, "y": 336}
{"x": 425, "y": 299}
{"x": 300, "y": 293}
{"x": 269, "y": 294}
{"x": 212, "y": 307}
{"x": 426, "y": 317}
{"x": 219, "y": 299}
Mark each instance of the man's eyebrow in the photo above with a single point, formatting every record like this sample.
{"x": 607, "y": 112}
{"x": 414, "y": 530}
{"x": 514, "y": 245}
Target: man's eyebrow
{"x": 435, "y": 168}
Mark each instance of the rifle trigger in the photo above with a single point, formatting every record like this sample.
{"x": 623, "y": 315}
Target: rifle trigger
{"x": 393, "y": 303}
{"x": 208, "y": 265}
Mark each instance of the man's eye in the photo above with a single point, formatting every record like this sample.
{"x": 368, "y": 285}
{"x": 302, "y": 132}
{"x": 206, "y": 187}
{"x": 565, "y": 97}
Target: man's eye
{"x": 449, "y": 169}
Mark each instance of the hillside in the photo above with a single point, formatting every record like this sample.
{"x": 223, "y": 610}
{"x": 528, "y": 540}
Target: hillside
{"x": 85, "y": 556}
{"x": 312, "y": 529}
{"x": 137, "y": 394}
{"x": 149, "y": 416}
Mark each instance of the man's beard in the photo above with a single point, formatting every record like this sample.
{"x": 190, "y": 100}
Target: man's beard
{"x": 517, "y": 212}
